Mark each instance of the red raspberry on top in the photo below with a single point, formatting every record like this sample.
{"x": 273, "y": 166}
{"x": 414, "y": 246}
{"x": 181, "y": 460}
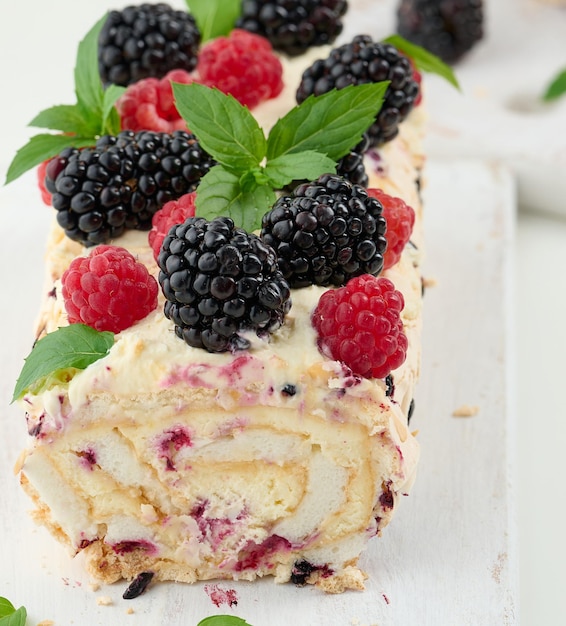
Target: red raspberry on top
{"x": 360, "y": 324}
{"x": 400, "y": 219}
{"x": 242, "y": 65}
{"x": 148, "y": 104}
{"x": 171, "y": 213}
{"x": 108, "y": 290}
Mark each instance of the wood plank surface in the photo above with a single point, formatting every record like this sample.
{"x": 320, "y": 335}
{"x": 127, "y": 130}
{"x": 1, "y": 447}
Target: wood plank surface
{"x": 450, "y": 555}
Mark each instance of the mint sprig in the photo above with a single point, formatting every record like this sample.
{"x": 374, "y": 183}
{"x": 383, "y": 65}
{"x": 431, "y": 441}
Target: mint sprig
{"x": 424, "y": 60}
{"x": 10, "y": 616}
{"x": 75, "y": 346}
{"x": 556, "y": 87}
{"x": 93, "y": 114}
{"x": 303, "y": 144}
{"x": 214, "y": 18}
{"x": 223, "y": 620}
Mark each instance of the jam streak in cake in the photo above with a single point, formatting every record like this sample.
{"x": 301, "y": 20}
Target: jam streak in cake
{"x": 245, "y": 368}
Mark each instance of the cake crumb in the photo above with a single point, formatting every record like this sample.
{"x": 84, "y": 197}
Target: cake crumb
{"x": 104, "y": 601}
{"x": 429, "y": 282}
{"x": 46, "y": 622}
{"x": 466, "y": 410}
{"x": 94, "y": 586}
{"x": 130, "y": 611}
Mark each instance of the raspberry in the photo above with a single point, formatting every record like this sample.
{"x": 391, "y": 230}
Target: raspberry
{"x": 242, "y": 65}
{"x": 149, "y": 104}
{"x": 41, "y": 170}
{"x": 400, "y": 219}
{"x": 360, "y": 324}
{"x": 219, "y": 280}
{"x": 108, "y": 290}
{"x": 171, "y": 213}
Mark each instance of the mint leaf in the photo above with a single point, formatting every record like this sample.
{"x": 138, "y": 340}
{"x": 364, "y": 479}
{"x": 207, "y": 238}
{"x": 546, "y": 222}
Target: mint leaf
{"x": 9, "y": 616}
{"x": 214, "y": 18}
{"x": 331, "y": 123}
{"x": 75, "y": 346}
{"x": 225, "y": 128}
{"x": 65, "y": 118}
{"x": 17, "y": 618}
{"x": 424, "y": 60}
{"x": 6, "y": 607}
{"x": 220, "y": 193}
{"x": 40, "y": 148}
{"x": 88, "y": 87}
{"x": 93, "y": 114}
{"x": 556, "y": 88}
{"x": 223, "y": 620}
{"x": 307, "y": 165}
{"x": 110, "y": 123}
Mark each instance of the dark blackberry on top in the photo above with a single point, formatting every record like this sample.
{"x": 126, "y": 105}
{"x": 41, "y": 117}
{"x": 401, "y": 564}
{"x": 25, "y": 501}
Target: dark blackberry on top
{"x": 447, "y": 28}
{"x": 365, "y": 61}
{"x": 146, "y": 40}
{"x": 219, "y": 280}
{"x": 351, "y": 166}
{"x": 293, "y": 26}
{"x": 326, "y": 232}
{"x": 122, "y": 181}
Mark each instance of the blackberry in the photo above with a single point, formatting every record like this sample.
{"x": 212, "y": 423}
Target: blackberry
{"x": 293, "y": 26}
{"x": 122, "y": 181}
{"x": 364, "y": 61}
{"x": 219, "y": 280}
{"x": 326, "y": 232}
{"x": 352, "y": 165}
{"x": 447, "y": 28}
{"x": 146, "y": 40}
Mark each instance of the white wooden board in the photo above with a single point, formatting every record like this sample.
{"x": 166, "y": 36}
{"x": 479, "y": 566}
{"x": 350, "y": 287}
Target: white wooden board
{"x": 449, "y": 557}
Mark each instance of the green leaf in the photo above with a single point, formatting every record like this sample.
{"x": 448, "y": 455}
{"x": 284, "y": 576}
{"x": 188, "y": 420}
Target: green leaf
{"x": 88, "y": 86}
{"x": 9, "y": 616}
{"x": 225, "y": 128}
{"x": 75, "y": 346}
{"x": 223, "y": 620}
{"x": 307, "y": 165}
{"x": 66, "y": 118}
{"x": 40, "y": 148}
{"x": 220, "y": 193}
{"x": 214, "y": 18}
{"x": 331, "y": 123}
{"x": 424, "y": 60}
{"x": 556, "y": 88}
{"x": 110, "y": 123}
{"x": 6, "y": 607}
{"x": 17, "y": 618}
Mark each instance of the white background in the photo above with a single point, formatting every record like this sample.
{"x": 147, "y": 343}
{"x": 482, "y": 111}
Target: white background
{"x": 496, "y": 117}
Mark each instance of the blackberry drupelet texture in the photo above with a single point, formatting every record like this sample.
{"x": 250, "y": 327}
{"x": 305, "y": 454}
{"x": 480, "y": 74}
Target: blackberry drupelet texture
{"x": 352, "y": 165}
{"x": 326, "y": 232}
{"x": 146, "y": 40}
{"x": 447, "y": 28}
{"x": 219, "y": 280}
{"x": 122, "y": 181}
{"x": 293, "y": 26}
{"x": 361, "y": 61}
